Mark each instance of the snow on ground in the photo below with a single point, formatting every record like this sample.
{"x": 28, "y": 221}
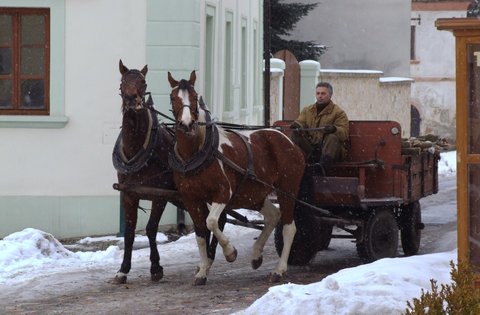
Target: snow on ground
{"x": 381, "y": 287}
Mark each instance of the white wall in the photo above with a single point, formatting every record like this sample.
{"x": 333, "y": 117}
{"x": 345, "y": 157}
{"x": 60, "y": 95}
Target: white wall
{"x": 433, "y": 92}
{"x": 52, "y": 168}
{"x": 76, "y": 160}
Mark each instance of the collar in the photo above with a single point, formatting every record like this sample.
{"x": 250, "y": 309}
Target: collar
{"x": 327, "y": 110}
{"x": 141, "y": 159}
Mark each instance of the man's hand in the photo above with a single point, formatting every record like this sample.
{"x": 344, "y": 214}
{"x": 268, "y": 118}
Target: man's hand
{"x": 295, "y": 125}
{"x": 329, "y": 129}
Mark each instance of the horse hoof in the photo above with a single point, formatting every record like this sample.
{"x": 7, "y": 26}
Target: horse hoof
{"x": 232, "y": 256}
{"x": 120, "y": 279}
{"x": 156, "y": 273}
{"x": 275, "y": 278}
{"x": 256, "y": 263}
{"x": 200, "y": 281}
{"x": 157, "y": 276}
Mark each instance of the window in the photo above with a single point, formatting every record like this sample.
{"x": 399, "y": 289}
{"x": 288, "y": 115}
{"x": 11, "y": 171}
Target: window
{"x": 24, "y": 61}
{"x": 243, "y": 68}
{"x": 228, "y": 63}
{"x": 412, "y": 42}
{"x": 209, "y": 55}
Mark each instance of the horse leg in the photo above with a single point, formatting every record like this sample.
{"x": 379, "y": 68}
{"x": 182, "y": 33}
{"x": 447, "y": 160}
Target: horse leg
{"x": 216, "y": 210}
{"x": 156, "y": 270}
{"x": 212, "y": 248}
{"x": 130, "y": 206}
{"x": 199, "y": 215}
{"x": 271, "y": 215}
{"x": 287, "y": 205}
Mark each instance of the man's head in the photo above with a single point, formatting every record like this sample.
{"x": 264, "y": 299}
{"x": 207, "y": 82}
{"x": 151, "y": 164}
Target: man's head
{"x": 323, "y": 93}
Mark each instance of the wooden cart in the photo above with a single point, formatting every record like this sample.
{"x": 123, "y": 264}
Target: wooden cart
{"x": 371, "y": 197}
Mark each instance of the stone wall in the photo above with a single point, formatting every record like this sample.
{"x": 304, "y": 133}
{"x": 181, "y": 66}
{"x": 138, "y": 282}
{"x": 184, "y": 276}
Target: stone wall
{"x": 363, "y": 94}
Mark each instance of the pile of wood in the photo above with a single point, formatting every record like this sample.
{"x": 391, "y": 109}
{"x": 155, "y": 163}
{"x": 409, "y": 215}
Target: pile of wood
{"x": 431, "y": 143}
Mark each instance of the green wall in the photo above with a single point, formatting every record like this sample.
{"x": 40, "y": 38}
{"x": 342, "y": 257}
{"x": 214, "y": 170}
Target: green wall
{"x": 173, "y": 44}
{"x": 66, "y": 217}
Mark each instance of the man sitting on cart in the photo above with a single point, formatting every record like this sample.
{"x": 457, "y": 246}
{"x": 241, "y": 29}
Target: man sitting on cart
{"x": 321, "y": 129}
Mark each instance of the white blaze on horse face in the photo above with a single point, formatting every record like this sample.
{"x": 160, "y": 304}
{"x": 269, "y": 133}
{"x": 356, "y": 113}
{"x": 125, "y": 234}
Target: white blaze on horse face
{"x": 186, "y": 117}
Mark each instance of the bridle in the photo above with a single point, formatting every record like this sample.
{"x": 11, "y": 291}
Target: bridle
{"x": 184, "y": 85}
{"x": 130, "y": 102}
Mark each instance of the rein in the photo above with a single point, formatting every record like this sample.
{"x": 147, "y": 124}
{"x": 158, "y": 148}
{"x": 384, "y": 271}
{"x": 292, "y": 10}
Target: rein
{"x": 210, "y": 153}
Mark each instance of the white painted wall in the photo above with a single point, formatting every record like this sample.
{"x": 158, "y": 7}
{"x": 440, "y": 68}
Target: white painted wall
{"x": 433, "y": 92}
{"x": 76, "y": 160}
{"x": 60, "y": 180}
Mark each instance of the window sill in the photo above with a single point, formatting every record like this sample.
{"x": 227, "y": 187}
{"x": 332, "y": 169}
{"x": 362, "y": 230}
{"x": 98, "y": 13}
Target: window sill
{"x": 47, "y": 122}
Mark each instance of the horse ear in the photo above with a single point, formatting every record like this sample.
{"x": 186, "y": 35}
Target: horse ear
{"x": 122, "y": 68}
{"x": 193, "y": 77}
{"x": 144, "y": 70}
{"x": 173, "y": 82}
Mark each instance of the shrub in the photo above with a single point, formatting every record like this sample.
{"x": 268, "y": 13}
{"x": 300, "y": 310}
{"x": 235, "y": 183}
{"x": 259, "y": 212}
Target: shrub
{"x": 458, "y": 298}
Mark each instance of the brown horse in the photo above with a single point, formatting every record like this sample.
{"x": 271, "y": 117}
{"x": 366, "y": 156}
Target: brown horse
{"x": 141, "y": 158}
{"x": 217, "y": 170}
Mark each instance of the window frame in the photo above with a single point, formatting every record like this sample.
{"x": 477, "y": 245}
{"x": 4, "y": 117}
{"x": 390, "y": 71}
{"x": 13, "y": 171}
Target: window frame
{"x": 16, "y": 13}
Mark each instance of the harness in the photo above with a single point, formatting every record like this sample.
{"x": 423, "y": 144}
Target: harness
{"x": 121, "y": 163}
{"x": 201, "y": 159}
{"x": 124, "y": 165}
{"x": 209, "y": 152}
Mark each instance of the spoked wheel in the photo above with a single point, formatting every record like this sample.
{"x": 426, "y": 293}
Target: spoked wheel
{"x": 411, "y": 228}
{"x": 380, "y": 237}
{"x": 303, "y": 247}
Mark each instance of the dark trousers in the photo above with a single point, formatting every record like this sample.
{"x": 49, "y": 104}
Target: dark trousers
{"x": 331, "y": 149}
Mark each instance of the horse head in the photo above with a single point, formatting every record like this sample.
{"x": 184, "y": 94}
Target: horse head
{"x": 133, "y": 88}
{"x": 184, "y": 101}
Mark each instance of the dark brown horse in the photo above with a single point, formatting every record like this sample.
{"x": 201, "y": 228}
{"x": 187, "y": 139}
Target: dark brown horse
{"x": 216, "y": 170}
{"x": 141, "y": 158}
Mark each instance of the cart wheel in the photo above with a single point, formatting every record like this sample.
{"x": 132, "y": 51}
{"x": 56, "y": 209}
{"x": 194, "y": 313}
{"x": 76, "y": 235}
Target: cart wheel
{"x": 303, "y": 248}
{"x": 380, "y": 237}
{"x": 323, "y": 235}
{"x": 411, "y": 228}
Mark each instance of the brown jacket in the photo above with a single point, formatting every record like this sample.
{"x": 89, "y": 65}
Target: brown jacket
{"x": 330, "y": 115}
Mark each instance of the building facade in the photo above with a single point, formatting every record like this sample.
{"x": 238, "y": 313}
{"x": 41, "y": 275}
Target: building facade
{"x": 59, "y": 122}
{"x": 432, "y": 66}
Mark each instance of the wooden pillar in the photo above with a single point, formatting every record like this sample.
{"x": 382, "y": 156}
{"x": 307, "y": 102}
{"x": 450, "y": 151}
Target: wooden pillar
{"x": 467, "y": 48}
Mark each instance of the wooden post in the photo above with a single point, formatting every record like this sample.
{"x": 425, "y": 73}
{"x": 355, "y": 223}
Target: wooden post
{"x": 467, "y": 48}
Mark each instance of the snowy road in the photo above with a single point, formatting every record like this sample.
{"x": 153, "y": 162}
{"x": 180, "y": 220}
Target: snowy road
{"x": 87, "y": 289}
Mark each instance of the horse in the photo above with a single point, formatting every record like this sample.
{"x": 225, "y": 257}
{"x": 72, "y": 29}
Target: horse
{"x": 216, "y": 170}
{"x": 141, "y": 157}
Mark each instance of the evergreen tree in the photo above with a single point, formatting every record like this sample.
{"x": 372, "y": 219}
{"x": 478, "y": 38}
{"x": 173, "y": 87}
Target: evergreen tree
{"x": 284, "y": 16}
